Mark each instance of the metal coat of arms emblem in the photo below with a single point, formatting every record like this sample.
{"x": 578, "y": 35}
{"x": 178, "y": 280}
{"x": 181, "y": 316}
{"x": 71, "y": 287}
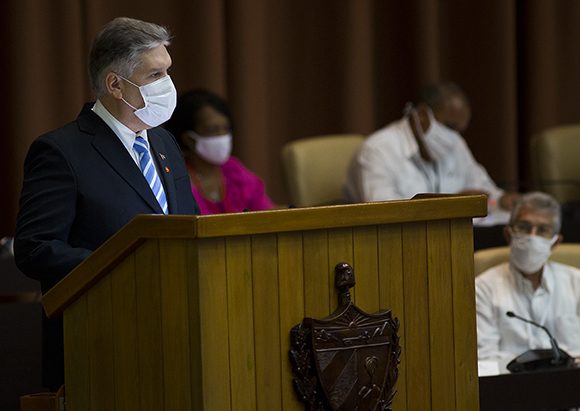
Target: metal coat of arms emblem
{"x": 348, "y": 360}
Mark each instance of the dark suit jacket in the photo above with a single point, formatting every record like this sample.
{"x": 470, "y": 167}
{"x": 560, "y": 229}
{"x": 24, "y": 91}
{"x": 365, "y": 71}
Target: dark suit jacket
{"x": 81, "y": 186}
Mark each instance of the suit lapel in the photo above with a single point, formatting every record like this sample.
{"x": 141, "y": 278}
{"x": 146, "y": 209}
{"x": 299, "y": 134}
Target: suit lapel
{"x": 159, "y": 153}
{"x": 115, "y": 154}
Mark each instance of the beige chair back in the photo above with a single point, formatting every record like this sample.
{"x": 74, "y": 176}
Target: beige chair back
{"x": 315, "y": 168}
{"x": 555, "y": 162}
{"x": 565, "y": 253}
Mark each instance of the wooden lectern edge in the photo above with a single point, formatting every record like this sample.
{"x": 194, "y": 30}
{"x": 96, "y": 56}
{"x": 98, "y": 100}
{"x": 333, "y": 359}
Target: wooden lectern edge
{"x": 143, "y": 227}
{"x": 345, "y": 215}
{"x": 131, "y": 236}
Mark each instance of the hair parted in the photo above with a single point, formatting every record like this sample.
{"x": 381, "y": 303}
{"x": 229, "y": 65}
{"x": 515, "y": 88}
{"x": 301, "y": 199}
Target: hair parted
{"x": 118, "y": 47}
{"x": 538, "y": 202}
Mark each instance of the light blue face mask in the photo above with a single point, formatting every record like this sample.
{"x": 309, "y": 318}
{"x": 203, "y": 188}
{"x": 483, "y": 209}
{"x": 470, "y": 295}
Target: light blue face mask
{"x": 160, "y": 99}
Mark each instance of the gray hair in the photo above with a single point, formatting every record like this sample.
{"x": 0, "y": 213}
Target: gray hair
{"x": 539, "y": 202}
{"x": 118, "y": 47}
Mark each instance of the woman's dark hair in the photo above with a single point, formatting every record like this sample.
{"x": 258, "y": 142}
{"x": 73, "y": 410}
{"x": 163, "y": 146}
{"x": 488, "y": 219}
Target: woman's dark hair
{"x": 188, "y": 104}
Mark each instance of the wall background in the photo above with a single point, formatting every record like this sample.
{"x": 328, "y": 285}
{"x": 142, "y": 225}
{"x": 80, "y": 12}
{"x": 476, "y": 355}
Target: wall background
{"x": 293, "y": 69}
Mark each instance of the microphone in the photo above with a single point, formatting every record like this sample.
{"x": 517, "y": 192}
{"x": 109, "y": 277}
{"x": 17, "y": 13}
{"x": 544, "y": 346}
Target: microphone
{"x": 537, "y": 359}
{"x": 555, "y": 349}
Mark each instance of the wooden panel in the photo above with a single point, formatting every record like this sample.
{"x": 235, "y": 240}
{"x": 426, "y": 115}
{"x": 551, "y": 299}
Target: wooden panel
{"x": 125, "y": 332}
{"x": 316, "y": 279}
{"x": 417, "y": 361}
{"x": 195, "y": 341}
{"x": 340, "y": 249}
{"x": 230, "y": 339}
{"x": 100, "y": 343}
{"x": 241, "y": 321}
{"x": 440, "y": 315}
{"x": 391, "y": 286}
{"x": 175, "y": 325}
{"x": 291, "y": 286}
{"x": 150, "y": 347}
{"x": 366, "y": 268}
{"x": 213, "y": 302}
{"x": 76, "y": 356}
{"x": 465, "y": 337}
{"x": 81, "y": 279}
{"x": 441, "y": 207}
{"x": 266, "y": 322}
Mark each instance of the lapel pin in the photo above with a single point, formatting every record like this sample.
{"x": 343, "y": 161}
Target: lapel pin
{"x": 162, "y": 156}
{"x": 167, "y": 170}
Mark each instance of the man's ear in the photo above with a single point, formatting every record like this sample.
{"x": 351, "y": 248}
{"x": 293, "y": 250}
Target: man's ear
{"x": 507, "y": 234}
{"x": 113, "y": 85}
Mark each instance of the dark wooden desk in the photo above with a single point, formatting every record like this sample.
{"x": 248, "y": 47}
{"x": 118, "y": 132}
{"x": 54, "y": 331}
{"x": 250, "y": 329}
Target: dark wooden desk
{"x": 531, "y": 391}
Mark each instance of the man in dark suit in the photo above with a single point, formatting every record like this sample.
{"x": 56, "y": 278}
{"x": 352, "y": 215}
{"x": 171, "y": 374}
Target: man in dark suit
{"x": 84, "y": 181}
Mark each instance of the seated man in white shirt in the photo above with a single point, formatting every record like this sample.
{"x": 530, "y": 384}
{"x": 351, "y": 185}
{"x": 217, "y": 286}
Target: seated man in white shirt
{"x": 423, "y": 153}
{"x": 530, "y": 286}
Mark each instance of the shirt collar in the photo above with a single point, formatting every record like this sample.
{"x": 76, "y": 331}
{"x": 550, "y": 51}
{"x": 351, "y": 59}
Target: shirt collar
{"x": 546, "y": 284}
{"x": 410, "y": 146}
{"x": 125, "y": 134}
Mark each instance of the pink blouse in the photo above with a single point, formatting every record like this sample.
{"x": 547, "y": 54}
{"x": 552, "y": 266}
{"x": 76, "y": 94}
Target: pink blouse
{"x": 243, "y": 191}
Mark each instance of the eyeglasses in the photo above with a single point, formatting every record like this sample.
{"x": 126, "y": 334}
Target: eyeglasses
{"x": 542, "y": 230}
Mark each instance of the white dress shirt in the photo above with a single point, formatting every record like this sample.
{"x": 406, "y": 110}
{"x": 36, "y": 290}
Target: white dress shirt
{"x": 555, "y": 304}
{"x": 389, "y": 167}
{"x": 125, "y": 134}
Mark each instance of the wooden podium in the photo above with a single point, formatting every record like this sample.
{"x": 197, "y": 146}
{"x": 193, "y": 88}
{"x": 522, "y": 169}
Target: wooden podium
{"x": 194, "y": 313}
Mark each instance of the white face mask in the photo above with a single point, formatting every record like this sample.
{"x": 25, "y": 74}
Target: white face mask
{"x": 160, "y": 99}
{"x": 436, "y": 127}
{"x": 214, "y": 149}
{"x": 436, "y": 148}
{"x": 529, "y": 253}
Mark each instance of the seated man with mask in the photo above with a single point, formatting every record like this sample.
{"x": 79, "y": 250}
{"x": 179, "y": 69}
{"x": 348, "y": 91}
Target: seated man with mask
{"x": 423, "y": 153}
{"x": 530, "y": 286}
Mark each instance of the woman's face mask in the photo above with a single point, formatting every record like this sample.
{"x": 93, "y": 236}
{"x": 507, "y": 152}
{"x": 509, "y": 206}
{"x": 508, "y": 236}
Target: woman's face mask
{"x": 160, "y": 99}
{"x": 214, "y": 149}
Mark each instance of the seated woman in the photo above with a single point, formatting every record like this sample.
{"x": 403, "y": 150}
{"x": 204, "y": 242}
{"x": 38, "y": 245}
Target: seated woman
{"x": 220, "y": 183}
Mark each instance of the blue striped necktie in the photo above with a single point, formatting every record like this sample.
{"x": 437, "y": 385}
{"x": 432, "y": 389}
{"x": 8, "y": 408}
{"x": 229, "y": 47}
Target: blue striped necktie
{"x": 149, "y": 171}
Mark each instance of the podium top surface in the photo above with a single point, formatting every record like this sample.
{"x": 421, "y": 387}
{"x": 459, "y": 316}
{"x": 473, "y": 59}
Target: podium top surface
{"x": 422, "y": 208}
